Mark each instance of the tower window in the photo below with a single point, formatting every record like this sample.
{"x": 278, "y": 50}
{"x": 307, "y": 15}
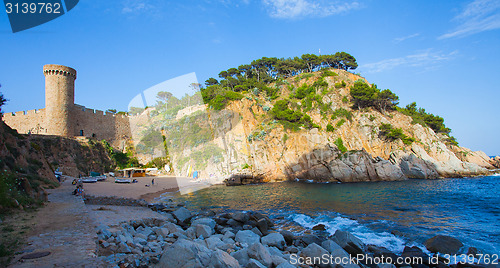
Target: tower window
{"x": 81, "y": 132}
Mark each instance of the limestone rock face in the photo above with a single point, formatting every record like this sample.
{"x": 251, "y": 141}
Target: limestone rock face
{"x": 495, "y": 162}
{"x": 416, "y": 168}
{"x": 313, "y": 154}
{"x": 326, "y": 165}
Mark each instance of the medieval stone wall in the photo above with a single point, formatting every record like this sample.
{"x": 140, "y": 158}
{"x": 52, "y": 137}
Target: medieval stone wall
{"x": 114, "y": 128}
{"x": 62, "y": 117}
{"x": 31, "y": 121}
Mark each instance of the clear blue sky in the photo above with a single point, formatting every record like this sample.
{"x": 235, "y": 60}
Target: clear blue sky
{"x": 445, "y": 55}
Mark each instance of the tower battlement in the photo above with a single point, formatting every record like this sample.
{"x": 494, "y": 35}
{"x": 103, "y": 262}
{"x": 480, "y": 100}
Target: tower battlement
{"x": 55, "y": 69}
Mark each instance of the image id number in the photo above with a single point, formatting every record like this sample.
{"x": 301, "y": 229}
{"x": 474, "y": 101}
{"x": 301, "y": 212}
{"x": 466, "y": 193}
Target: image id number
{"x": 33, "y": 8}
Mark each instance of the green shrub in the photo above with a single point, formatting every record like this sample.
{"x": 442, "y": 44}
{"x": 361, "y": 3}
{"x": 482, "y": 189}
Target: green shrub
{"x": 330, "y": 128}
{"x": 364, "y": 96}
{"x": 451, "y": 141}
{"x": 220, "y": 101}
{"x": 371, "y": 118}
{"x": 395, "y": 133}
{"x": 121, "y": 160}
{"x": 320, "y": 84}
{"x": 289, "y": 118}
{"x": 11, "y": 191}
{"x": 158, "y": 162}
{"x": 340, "y": 84}
{"x": 340, "y": 123}
{"x": 345, "y": 99}
{"x": 306, "y": 76}
{"x": 420, "y": 116}
{"x": 340, "y": 145}
{"x": 341, "y": 112}
{"x": 327, "y": 73}
{"x": 303, "y": 91}
{"x": 280, "y": 111}
{"x": 272, "y": 93}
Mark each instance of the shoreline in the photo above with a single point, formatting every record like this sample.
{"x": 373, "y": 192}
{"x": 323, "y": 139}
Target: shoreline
{"x": 236, "y": 235}
{"x": 155, "y": 234}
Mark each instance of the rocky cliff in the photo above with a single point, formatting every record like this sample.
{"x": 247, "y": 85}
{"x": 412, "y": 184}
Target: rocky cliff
{"x": 244, "y": 138}
{"x": 24, "y": 173}
{"x": 73, "y": 157}
{"x": 28, "y": 162}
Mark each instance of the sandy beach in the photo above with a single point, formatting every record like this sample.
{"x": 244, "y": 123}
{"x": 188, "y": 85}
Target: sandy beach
{"x": 143, "y": 189}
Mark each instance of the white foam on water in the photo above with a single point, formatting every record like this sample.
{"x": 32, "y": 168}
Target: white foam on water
{"x": 384, "y": 239}
{"x": 365, "y": 234}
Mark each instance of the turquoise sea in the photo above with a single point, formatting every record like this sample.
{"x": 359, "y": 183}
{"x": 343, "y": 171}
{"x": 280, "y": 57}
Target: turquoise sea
{"x": 414, "y": 210}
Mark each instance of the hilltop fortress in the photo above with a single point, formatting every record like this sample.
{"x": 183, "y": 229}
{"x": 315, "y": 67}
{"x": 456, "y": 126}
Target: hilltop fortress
{"x": 62, "y": 117}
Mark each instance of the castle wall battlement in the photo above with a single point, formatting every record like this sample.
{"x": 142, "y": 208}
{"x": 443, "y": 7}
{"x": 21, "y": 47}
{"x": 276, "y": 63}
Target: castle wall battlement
{"x": 61, "y": 116}
{"x": 22, "y": 113}
{"x": 25, "y": 122}
{"x": 77, "y": 106}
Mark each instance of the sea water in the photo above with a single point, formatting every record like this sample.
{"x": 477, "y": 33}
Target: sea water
{"x": 389, "y": 214}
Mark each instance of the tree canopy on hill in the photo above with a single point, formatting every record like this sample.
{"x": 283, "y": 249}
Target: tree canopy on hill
{"x": 420, "y": 116}
{"x": 292, "y": 111}
{"x": 259, "y": 73}
{"x": 364, "y": 95}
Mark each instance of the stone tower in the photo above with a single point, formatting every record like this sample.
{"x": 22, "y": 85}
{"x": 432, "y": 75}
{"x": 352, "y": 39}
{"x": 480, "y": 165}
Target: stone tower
{"x": 59, "y": 99}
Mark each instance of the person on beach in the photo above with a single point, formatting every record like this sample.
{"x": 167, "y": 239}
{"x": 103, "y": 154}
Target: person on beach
{"x": 152, "y": 182}
{"x": 81, "y": 191}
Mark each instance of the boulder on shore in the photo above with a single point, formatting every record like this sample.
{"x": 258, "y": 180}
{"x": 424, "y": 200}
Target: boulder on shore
{"x": 247, "y": 237}
{"x": 443, "y": 244}
{"x": 316, "y": 252}
{"x": 182, "y": 214}
{"x": 348, "y": 242}
{"x": 274, "y": 240}
{"x": 185, "y": 253}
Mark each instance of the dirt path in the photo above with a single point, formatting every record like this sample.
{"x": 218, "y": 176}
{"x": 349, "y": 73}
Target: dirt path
{"x": 63, "y": 228}
{"x": 66, "y": 227}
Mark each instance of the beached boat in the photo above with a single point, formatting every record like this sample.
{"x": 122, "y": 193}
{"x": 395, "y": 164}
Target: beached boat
{"x": 89, "y": 180}
{"x": 122, "y": 180}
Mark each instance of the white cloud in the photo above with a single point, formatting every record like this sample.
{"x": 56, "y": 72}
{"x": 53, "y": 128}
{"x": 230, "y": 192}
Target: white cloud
{"x": 478, "y": 16}
{"x": 290, "y": 9}
{"x": 427, "y": 59}
{"x": 134, "y": 7}
{"x": 401, "y": 39}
